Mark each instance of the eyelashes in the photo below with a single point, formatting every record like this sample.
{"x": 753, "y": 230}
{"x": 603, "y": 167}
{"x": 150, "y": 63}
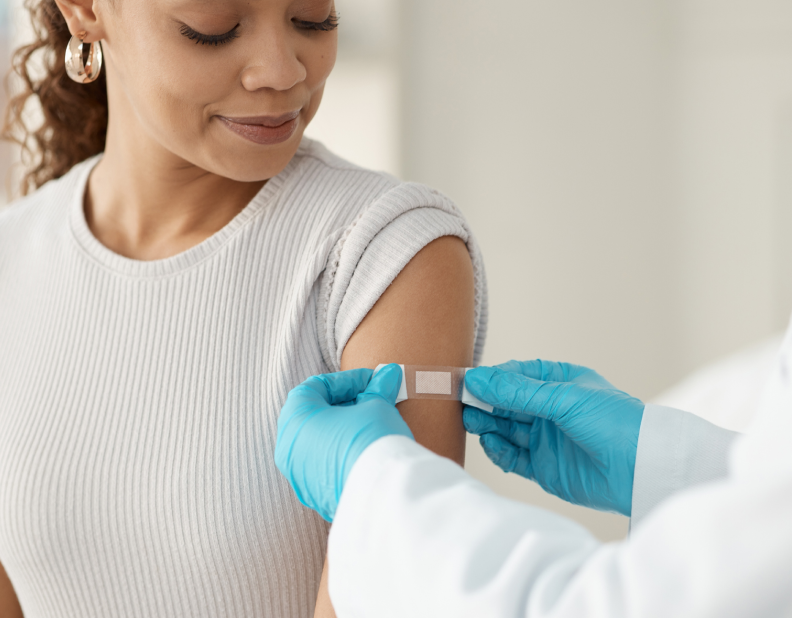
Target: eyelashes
{"x": 328, "y": 25}
{"x": 331, "y": 23}
{"x": 209, "y": 39}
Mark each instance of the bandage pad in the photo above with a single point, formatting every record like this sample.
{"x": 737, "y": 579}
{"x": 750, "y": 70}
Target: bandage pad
{"x": 433, "y": 382}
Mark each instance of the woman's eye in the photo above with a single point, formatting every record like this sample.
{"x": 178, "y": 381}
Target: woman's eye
{"x": 331, "y": 23}
{"x": 209, "y": 39}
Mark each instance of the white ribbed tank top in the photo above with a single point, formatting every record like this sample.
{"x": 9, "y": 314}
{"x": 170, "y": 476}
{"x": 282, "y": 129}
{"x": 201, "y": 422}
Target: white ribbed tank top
{"x": 139, "y": 400}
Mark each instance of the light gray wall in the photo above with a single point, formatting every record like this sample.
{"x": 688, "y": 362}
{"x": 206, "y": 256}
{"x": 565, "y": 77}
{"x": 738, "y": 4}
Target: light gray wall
{"x": 733, "y": 137}
{"x": 548, "y": 123}
{"x": 623, "y": 164}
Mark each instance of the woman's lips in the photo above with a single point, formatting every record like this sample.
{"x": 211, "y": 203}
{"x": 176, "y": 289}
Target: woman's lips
{"x": 263, "y": 129}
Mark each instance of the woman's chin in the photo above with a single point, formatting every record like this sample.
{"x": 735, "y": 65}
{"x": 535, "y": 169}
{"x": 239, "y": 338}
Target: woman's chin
{"x": 250, "y": 163}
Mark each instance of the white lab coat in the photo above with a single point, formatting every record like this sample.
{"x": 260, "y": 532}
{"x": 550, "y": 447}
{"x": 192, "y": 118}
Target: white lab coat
{"x": 711, "y": 531}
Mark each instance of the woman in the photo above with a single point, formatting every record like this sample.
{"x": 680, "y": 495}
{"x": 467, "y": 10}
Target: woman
{"x": 185, "y": 260}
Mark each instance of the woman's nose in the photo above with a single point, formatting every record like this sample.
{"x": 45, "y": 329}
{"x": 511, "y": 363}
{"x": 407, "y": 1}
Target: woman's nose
{"x": 276, "y": 66}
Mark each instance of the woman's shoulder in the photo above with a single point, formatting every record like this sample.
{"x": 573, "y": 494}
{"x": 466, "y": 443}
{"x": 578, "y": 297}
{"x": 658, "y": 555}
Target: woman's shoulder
{"x": 45, "y": 207}
{"x": 23, "y": 216}
{"x": 383, "y": 232}
{"x": 351, "y": 192}
{"x": 334, "y": 176}
{"x": 322, "y": 157}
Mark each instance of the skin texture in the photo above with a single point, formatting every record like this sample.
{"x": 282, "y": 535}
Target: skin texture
{"x": 426, "y": 317}
{"x": 9, "y": 605}
{"x": 173, "y": 174}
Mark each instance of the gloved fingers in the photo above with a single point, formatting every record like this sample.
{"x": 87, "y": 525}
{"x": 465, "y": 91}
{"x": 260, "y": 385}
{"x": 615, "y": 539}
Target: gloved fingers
{"x": 586, "y": 377}
{"x": 508, "y": 457}
{"x": 540, "y": 369}
{"x": 518, "y": 397}
{"x": 479, "y": 422}
{"x": 555, "y": 371}
{"x": 310, "y": 394}
{"x": 336, "y": 388}
{"x": 385, "y": 384}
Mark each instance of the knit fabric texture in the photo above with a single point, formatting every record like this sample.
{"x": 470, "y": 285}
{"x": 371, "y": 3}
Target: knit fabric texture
{"x": 139, "y": 400}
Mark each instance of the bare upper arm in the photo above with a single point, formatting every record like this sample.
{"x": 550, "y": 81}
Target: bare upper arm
{"x": 9, "y": 604}
{"x": 425, "y": 317}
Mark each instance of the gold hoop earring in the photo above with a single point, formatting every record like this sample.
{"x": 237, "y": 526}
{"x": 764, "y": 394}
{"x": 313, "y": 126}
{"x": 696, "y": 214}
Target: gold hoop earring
{"x": 83, "y": 65}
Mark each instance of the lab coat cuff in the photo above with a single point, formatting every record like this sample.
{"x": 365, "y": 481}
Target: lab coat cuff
{"x": 676, "y": 450}
{"x": 366, "y": 472}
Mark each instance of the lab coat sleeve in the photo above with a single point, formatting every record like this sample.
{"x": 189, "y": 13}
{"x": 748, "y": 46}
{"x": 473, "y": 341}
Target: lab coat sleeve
{"x": 676, "y": 450}
{"x": 415, "y": 535}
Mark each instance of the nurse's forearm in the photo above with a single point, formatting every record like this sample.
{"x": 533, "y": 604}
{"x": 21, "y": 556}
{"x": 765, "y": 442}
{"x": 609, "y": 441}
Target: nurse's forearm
{"x": 455, "y": 548}
{"x": 451, "y": 544}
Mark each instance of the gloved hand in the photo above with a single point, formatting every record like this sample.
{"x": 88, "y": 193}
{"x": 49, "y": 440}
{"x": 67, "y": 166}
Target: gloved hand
{"x": 561, "y": 425}
{"x": 326, "y": 423}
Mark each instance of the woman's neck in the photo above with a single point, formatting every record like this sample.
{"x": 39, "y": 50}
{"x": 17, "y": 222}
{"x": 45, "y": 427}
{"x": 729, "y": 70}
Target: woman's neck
{"x": 145, "y": 203}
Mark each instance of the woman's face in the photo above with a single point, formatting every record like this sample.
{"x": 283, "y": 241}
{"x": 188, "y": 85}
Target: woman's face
{"x": 226, "y": 85}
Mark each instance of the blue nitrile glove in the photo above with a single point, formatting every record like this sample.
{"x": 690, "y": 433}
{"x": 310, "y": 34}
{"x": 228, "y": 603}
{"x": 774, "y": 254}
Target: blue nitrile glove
{"x": 326, "y": 423}
{"x": 561, "y": 425}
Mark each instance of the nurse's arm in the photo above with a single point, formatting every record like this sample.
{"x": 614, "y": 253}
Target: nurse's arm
{"x": 457, "y": 549}
{"x": 9, "y": 604}
{"x": 425, "y": 317}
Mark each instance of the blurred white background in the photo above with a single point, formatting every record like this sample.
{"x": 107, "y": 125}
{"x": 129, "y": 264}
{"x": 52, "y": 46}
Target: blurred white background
{"x": 624, "y": 164}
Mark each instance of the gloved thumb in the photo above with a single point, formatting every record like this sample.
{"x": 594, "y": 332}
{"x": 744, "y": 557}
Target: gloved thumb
{"x": 519, "y": 397}
{"x": 557, "y": 372}
{"x": 385, "y": 384}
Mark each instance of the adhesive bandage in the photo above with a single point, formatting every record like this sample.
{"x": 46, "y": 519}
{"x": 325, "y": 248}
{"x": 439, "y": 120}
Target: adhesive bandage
{"x": 433, "y": 382}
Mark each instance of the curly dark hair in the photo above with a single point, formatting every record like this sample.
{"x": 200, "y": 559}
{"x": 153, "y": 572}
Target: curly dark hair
{"x": 74, "y": 125}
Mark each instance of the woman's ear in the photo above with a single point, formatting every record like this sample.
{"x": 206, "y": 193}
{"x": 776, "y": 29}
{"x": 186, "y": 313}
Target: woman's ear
{"x": 83, "y": 19}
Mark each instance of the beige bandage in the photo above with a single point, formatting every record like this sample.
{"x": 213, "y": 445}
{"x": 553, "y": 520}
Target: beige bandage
{"x": 432, "y": 382}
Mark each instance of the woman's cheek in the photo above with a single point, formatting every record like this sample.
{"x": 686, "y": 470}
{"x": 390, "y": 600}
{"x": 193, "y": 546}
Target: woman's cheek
{"x": 326, "y": 60}
{"x": 319, "y": 69}
{"x": 198, "y": 77}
